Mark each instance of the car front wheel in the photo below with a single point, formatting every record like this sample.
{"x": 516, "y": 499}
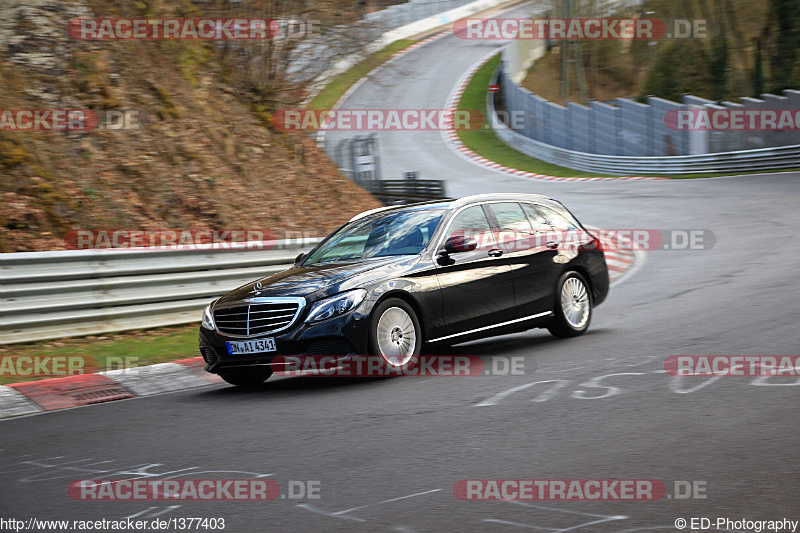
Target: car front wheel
{"x": 573, "y": 306}
{"x": 395, "y": 334}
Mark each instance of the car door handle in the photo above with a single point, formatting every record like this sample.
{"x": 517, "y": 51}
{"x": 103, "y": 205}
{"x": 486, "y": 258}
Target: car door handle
{"x": 552, "y": 245}
{"x": 495, "y": 252}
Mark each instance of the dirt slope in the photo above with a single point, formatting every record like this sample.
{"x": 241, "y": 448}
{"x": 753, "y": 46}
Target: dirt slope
{"x": 200, "y": 153}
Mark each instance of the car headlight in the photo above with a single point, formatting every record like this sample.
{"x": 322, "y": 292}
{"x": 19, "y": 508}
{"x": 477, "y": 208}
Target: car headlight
{"x": 208, "y": 318}
{"x": 336, "y": 305}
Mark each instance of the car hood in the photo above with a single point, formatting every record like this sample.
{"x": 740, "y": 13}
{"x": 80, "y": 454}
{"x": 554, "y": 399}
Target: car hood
{"x": 319, "y": 281}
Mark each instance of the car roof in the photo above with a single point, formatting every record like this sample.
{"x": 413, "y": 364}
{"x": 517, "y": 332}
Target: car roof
{"x": 466, "y": 200}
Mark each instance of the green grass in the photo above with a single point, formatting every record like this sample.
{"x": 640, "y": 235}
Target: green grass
{"x": 139, "y": 347}
{"x": 333, "y": 91}
{"x": 485, "y": 143}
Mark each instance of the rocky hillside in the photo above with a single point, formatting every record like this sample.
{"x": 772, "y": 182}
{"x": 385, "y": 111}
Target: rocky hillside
{"x": 198, "y": 152}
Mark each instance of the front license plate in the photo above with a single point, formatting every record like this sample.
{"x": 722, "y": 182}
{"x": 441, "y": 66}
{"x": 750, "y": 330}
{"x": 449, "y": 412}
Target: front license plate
{"x": 254, "y": 346}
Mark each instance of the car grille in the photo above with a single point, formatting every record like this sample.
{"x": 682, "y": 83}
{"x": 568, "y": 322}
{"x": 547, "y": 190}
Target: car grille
{"x": 255, "y": 318}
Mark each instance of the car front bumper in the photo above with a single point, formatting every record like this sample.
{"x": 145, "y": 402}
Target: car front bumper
{"x": 337, "y": 336}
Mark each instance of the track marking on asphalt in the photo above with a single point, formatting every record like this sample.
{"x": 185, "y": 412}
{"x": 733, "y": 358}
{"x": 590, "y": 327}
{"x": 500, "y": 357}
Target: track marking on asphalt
{"x": 565, "y": 511}
{"x": 142, "y": 470}
{"x": 517, "y": 524}
{"x": 152, "y": 515}
{"x": 388, "y": 501}
{"x": 553, "y": 529}
{"x": 340, "y": 514}
{"x": 319, "y": 511}
{"x": 600, "y": 518}
{"x": 493, "y": 400}
{"x": 500, "y": 395}
{"x": 675, "y": 385}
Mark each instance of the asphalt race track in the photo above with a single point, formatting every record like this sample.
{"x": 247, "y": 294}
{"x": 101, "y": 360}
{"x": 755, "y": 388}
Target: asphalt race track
{"x": 386, "y": 453}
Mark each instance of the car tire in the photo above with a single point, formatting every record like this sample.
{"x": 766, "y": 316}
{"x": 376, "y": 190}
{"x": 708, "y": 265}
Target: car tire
{"x": 245, "y": 377}
{"x": 572, "y": 307}
{"x": 395, "y": 336}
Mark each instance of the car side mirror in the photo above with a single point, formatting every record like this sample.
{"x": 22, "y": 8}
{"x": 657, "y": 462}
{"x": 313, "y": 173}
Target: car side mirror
{"x": 299, "y": 258}
{"x": 460, "y": 243}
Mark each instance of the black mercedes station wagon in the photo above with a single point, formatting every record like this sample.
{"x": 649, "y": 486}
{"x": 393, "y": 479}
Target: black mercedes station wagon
{"x": 395, "y": 281}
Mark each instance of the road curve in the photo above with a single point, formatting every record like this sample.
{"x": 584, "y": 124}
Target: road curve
{"x": 387, "y": 453}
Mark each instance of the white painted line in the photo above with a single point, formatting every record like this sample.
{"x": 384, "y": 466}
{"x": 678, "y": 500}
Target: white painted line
{"x": 500, "y": 395}
{"x": 579, "y": 513}
{"x": 387, "y": 501}
{"x": 517, "y": 524}
{"x": 325, "y": 513}
{"x": 600, "y": 518}
{"x": 592, "y": 523}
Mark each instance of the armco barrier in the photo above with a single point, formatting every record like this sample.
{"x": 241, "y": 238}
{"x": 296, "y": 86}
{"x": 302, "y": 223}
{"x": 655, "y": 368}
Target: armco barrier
{"x": 744, "y": 160}
{"x": 46, "y": 295}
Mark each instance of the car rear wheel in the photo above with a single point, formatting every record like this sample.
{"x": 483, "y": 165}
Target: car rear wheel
{"x": 246, "y": 376}
{"x": 573, "y": 306}
{"x": 395, "y": 335}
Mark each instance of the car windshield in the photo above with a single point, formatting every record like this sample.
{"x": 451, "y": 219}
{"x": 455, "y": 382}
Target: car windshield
{"x": 381, "y": 235}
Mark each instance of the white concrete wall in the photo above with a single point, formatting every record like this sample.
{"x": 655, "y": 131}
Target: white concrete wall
{"x": 520, "y": 54}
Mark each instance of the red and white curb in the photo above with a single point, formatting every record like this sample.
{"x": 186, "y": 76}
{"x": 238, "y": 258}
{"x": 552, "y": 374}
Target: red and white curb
{"x": 622, "y": 262}
{"x": 397, "y": 55}
{"x": 33, "y": 397}
{"x": 451, "y": 138}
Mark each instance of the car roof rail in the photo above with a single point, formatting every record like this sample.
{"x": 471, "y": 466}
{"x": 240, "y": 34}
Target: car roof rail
{"x": 510, "y": 196}
{"x": 371, "y": 212}
{"x": 465, "y": 200}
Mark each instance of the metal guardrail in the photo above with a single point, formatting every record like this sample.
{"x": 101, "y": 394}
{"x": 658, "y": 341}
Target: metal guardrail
{"x": 758, "y": 159}
{"x": 46, "y": 295}
{"x": 406, "y": 190}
